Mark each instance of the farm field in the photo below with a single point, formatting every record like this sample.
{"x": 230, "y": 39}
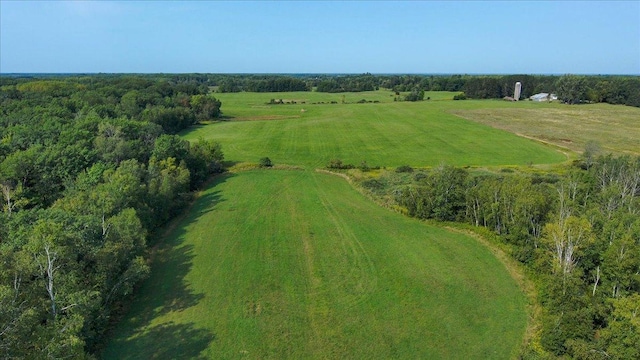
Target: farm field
{"x": 386, "y": 133}
{"x": 303, "y": 266}
{"x": 297, "y": 264}
{"x": 615, "y": 127}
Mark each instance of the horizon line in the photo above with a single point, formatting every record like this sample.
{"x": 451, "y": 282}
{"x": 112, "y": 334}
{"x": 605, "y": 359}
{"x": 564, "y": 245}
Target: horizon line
{"x": 307, "y": 73}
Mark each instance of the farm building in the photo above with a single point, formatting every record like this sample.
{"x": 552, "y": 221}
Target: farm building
{"x": 543, "y": 97}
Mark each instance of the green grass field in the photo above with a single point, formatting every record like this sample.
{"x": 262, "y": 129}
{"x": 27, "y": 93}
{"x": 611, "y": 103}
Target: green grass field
{"x": 297, "y": 264}
{"x": 387, "y": 133}
{"x": 274, "y": 264}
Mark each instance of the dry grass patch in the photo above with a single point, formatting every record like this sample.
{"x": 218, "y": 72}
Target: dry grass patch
{"x": 616, "y": 128}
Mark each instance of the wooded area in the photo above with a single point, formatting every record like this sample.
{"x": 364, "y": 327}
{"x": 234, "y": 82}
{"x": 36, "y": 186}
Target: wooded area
{"x": 89, "y": 168}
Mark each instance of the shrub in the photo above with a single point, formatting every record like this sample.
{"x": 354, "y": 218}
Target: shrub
{"x": 461, "y": 96}
{"x": 266, "y": 162}
{"x": 337, "y": 164}
{"x": 419, "y": 176}
{"x": 415, "y": 95}
{"x": 373, "y": 184}
{"x": 404, "y": 169}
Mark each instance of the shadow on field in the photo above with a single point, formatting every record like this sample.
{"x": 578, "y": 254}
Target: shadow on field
{"x": 202, "y": 124}
{"x": 165, "y": 291}
{"x": 205, "y": 203}
{"x": 166, "y": 341}
{"x": 230, "y": 163}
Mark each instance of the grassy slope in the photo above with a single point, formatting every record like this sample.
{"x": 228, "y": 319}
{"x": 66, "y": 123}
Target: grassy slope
{"x": 384, "y": 134}
{"x": 297, "y": 264}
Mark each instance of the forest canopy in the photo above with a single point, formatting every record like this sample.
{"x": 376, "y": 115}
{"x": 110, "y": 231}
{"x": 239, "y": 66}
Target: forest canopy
{"x": 90, "y": 167}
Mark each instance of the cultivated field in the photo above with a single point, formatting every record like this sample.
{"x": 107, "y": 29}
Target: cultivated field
{"x": 274, "y": 264}
{"x": 387, "y": 133}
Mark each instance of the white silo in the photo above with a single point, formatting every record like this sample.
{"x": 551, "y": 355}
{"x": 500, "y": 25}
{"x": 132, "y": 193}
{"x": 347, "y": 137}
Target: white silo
{"x": 516, "y": 93}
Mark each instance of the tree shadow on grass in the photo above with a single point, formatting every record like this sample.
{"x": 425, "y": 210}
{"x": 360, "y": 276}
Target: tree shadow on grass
{"x": 200, "y": 125}
{"x": 165, "y": 291}
{"x": 165, "y": 341}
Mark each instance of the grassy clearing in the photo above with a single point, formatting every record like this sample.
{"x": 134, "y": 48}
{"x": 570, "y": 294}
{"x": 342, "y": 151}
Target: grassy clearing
{"x": 297, "y": 264}
{"x": 290, "y": 263}
{"x": 615, "y": 127}
{"x": 387, "y": 133}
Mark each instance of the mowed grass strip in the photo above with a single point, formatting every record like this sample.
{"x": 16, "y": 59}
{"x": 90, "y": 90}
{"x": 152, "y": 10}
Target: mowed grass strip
{"x": 274, "y": 264}
{"x": 382, "y": 134}
{"x": 615, "y": 127}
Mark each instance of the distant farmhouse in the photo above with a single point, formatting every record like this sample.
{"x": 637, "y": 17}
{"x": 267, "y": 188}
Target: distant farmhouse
{"x": 543, "y": 97}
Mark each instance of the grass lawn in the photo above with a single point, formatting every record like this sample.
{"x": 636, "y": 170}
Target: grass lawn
{"x": 274, "y": 264}
{"x": 387, "y": 133}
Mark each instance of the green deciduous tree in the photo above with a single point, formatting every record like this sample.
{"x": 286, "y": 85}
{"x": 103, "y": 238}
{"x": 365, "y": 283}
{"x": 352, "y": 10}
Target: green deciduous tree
{"x": 206, "y": 107}
{"x": 571, "y": 89}
{"x": 622, "y": 336}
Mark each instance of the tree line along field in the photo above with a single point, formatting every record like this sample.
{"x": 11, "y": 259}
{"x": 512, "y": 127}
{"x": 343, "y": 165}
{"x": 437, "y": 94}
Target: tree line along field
{"x": 296, "y": 264}
{"x": 386, "y": 133}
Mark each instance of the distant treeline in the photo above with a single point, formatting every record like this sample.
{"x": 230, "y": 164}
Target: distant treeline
{"x": 612, "y": 89}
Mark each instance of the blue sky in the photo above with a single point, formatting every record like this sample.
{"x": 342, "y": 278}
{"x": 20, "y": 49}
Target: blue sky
{"x": 470, "y": 37}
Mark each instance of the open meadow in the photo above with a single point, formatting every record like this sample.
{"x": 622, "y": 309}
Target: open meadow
{"x": 274, "y": 264}
{"x": 298, "y": 264}
{"x": 386, "y": 133}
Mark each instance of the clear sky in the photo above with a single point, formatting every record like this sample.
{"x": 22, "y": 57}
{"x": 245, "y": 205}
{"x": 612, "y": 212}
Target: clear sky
{"x": 537, "y": 37}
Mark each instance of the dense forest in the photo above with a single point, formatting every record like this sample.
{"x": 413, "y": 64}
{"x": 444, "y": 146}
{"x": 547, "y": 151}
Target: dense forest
{"x": 89, "y": 169}
{"x": 577, "y": 233}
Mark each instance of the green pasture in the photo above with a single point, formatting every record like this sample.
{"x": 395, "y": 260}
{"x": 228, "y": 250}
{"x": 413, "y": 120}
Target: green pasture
{"x": 313, "y": 131}
{"x": 274, "y": 264}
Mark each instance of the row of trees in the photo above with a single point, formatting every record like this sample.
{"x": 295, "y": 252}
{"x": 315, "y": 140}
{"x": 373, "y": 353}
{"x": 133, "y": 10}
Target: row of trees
{"x": 571, "y": 88}
{"x": 89, "y": 170}
{"x": 270, "y": 84}
{"x": 279, "y": 84}
{"x": 578, "y": 233}
{"x": 352, "y": 83}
